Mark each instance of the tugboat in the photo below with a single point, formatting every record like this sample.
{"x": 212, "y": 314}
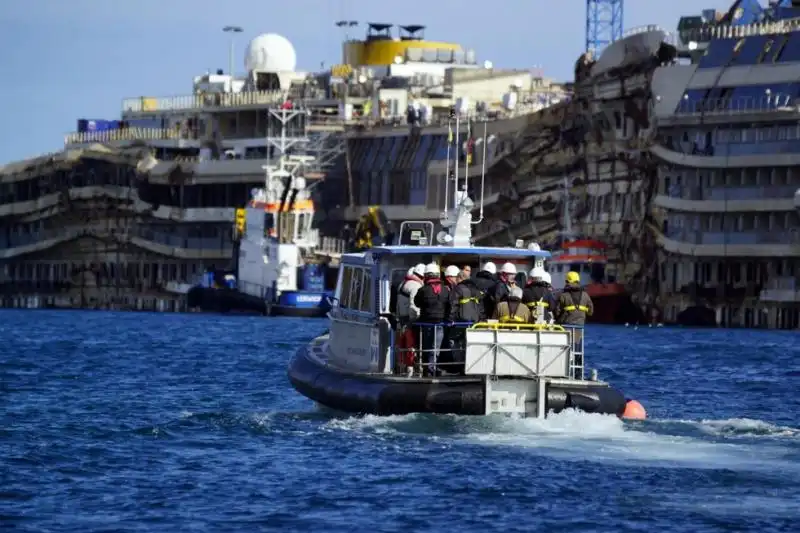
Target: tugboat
{"x": 277, "y": 271}
{"x": 362, "y": 366}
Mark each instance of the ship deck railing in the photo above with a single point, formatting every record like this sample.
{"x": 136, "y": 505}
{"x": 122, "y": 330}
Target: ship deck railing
{"x": 709, "y": 33}
{"x": 449, "y": 346}
{"x": 769, "y": 103}
{"x": 132, "y": 134}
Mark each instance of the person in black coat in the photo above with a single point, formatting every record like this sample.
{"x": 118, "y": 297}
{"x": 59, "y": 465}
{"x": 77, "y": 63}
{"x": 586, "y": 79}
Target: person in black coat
{"x": 485, "y": 281}
{"x": 433, "y": 301}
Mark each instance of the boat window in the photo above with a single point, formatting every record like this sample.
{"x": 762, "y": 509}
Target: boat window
{"x": 356, "y": 283}
{"x": 347, "y": 276}
{"x": 365, "y": 301}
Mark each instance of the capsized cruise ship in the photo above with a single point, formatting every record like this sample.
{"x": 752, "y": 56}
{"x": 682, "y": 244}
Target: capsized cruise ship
{"x": 677, "y": 152}
{"x": 134, "y": 211}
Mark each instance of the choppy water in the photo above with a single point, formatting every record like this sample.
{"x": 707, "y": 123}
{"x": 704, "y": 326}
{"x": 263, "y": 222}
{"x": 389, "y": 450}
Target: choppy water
{"x": 136, "y": 422}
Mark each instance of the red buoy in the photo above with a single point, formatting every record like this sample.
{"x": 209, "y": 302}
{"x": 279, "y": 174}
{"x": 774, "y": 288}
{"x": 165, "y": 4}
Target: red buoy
{"x": 634, "y": 411}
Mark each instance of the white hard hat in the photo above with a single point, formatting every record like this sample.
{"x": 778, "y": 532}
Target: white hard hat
{"x": 432, "y": 269}
{"x": 509, "y": 268}
{"x": 489, "y": 267}
{"x": 410, "y": 272}
{"x": 547, "y": 278}
{"x": 451, "y": 271}
{"x": 536, "y": 273}
{"x": 419, "y": 270}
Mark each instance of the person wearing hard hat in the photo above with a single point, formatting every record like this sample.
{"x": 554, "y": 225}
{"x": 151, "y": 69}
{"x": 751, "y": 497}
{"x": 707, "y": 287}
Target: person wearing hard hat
{"x": 538, "y": 297}
{"x": 407, "y": 311}
{"x": 433, "y": 301}
{"x": 464, "y": 307}
{"x": 511, "y": 309}
{"x": 485, "y": 281}
{"x": 507, "y": 280}
{"x": 574, "y": 305}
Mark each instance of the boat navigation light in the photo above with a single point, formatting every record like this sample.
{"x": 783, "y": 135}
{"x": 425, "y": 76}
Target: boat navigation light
{"x": 692, "y": 45}
{"x": 534, "y": 247}
{"x": 443, "y": 237}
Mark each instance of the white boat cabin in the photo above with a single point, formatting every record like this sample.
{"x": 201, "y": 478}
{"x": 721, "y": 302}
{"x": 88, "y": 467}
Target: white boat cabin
{"x": 362, "y": 338}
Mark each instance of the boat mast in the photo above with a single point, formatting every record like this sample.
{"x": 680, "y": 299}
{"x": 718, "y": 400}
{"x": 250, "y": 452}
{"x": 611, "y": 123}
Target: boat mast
{"x": 281, "y": 178}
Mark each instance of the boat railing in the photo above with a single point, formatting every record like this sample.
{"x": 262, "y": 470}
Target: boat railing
{"x": 424, "y": 348}
{"x": 743, "y": 104}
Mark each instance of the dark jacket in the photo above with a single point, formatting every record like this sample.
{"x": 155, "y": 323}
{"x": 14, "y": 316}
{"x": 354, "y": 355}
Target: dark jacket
{"x": 485, "y": 283}
{"x": 433, "y": 300}
{"x": 574, "y": 305}
{"x": 465, "y": 302}
{"x": 539, "y": 296}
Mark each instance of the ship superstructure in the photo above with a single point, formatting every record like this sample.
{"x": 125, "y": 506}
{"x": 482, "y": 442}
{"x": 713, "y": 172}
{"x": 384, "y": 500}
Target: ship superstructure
{"x": 727, "y": 219}
{"x": 676, "y": 150}
{"x": 400, "y": 95}
{"x": 134, "y": 211}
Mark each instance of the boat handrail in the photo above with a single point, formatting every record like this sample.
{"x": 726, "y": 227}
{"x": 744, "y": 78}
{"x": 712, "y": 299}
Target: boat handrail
{"x": 521, "y": 326}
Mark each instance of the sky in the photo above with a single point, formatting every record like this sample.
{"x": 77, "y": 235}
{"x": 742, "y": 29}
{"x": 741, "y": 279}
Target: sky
{"x": 71, "y": 59}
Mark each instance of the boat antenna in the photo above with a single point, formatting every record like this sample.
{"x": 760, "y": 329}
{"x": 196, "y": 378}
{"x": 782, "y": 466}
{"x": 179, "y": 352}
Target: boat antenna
{"x": 447, "y": 168}
{"x": 483, "y": 169}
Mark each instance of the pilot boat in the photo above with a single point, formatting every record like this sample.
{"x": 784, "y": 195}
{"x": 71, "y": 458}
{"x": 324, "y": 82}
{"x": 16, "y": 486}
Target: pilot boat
{"x": 360, "y": 366}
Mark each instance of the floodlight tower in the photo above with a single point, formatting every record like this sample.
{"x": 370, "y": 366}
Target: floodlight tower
{"x": 603, "y": 24}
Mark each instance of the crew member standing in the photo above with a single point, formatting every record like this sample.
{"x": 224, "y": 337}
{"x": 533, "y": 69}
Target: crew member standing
{"x": 465, "y": 298}
{"x": 407, "y": 311}
{"x": 508, "y": 273}
{"x": 511, "y": 309}
{"x": 485, "y": 280}
{"x": 433, "y": 301}
{"x": 574, "y": 305}
{"x": 538, "y": 297}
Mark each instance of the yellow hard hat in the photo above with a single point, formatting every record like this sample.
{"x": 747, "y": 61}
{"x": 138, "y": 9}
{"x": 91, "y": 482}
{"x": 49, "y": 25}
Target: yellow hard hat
{"x": 573, "y": 277}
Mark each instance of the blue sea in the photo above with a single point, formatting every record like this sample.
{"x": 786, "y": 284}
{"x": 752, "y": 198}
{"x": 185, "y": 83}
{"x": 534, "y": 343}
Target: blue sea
{"x": 171, "y": 423}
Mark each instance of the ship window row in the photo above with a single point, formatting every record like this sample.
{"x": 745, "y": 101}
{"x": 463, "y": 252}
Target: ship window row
{"x": 144, "y": 274}
{"x": 410, "y": 151}
{"x": 734, "y": 228}
{"x": 709, "y": 273}
{"x": 766, "y": 97}
{"x": 356, "y": 291}
{"x": 755, "y": 140}
{"x": 752, "y": 50}
{"x": 391, "y": 188}
{"x": 771, "y": 181}
{"x": 86, "y": 174}
{"x": 195, "y": 236}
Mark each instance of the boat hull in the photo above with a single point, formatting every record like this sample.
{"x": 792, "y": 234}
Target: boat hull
{"x": 232, "y": 301}
{"x": 381, "y": 394}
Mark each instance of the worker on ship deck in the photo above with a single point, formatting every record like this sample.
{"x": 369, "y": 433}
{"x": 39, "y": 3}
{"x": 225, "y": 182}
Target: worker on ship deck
{"x": 506, "y": 281}
{"x": 407, "y": 311}
{"x": 574, "y": 305}
{"x": 433, "y": 301}
{"x": 465, "y": 301}
{"x": 538, "y": 297}
{"x": 511, "y": 309}
{"x": 485, "y": 280}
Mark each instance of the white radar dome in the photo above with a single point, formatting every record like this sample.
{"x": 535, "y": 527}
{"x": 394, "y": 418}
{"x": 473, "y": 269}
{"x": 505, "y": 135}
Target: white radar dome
{"x": 270, "y": 52}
